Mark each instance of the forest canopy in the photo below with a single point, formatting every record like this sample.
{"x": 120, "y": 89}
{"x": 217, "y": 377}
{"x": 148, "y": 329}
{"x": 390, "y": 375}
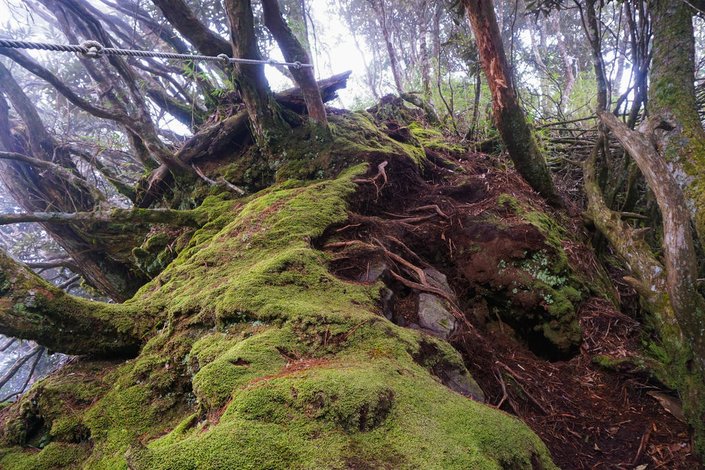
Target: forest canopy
{"x": 352, "y": 234}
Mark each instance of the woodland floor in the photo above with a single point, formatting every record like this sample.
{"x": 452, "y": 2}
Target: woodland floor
{"x": 589, "y": 416}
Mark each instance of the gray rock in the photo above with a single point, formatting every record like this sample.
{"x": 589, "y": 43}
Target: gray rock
{"x": 462, "y": 382}
{"x": 374, "y": 272}
{"x": 438, "y": 280}
{"x": 387, "y": 297}
{"x": 435, "y": 316}
{"x": 434, "y": 313}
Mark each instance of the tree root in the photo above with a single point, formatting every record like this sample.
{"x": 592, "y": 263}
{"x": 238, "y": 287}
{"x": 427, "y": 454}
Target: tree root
{"x": 380, "y": 174}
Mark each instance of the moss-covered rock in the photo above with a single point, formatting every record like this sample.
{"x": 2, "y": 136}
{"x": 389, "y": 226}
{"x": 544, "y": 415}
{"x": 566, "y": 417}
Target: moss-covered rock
{"x": 259, "y": 357}
{"x": 522, "y": 276}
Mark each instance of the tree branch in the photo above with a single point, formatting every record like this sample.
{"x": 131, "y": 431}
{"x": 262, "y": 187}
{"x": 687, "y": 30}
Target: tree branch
{"x": 61, "y": 263}
{"x": 191, "y": 218}
{"x": 31, "y": 308}
{"x": 10, "y": 373}
{"x": 679, "y": 251}
{"x": 57, "y": 170}
{"x": 30, "y": 65}
{"x": 293, "y": 51}
{"x": 185, "y": 21}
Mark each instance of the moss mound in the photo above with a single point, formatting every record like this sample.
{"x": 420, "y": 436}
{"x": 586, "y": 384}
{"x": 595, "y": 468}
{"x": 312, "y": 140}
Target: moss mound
{"x": 259, "y": 357}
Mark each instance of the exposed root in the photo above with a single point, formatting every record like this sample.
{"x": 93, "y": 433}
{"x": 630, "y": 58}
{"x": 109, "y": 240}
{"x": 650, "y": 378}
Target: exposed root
{"x": 380, "y": 174}
{"x": 590, "y": 415}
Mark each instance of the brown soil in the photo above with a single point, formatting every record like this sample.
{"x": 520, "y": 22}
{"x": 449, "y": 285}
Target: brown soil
{"x": 589, "y": 416}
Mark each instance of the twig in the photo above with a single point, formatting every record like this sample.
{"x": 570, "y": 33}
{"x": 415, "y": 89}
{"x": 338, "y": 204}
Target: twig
{"x": 505, "y": 395}
{"x": 518, "y": 382}
{"x": 9, "y": 343}
{"x": 633, "y": 215}
{"x": 434, "y": 207}
{"x": 642, "y": 445}
{"x": 66, "y": 284}
{"x": 419, "y": 272}
{"x": 18, "y": 365}
{"x": 406, "y": 248}
{"x": 221, "y": 182}
{"x": 373, "y": 181}
{"x": 351, "y": 243}
{"x": 21, "y": 390}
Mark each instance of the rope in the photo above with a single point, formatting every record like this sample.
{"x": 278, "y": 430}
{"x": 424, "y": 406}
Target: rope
{"x": 94, "y": 50}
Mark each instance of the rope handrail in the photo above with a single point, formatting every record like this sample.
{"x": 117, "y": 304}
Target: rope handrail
{"x": 94, "y": 50}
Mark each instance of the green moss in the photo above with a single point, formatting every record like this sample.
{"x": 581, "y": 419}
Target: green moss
{"x": 55, "y": 456}
{"x": 548, "y": 272}
{"x": 256, "y": 356}
{"x": 267, "y": 267}
{"x": 260, "y": 358}
{"x": 383, "y": 412}
{"x": 41, "y": 414}
{"x": 434, "y": 139}
{"x": 68, "y": 429}
{"x": 356, "y": 134}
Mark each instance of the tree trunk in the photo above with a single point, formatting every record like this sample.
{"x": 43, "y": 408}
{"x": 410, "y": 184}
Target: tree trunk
{"x": 680, "y": 310}
{"x": 567, "y": 60}
{"x": 249, "y": 78}
{"x": 35, "y": 189}
{"x": 681, "y": 138}
{"x": 381, "y": 13}
{"x": 188, "y": 25}
{"x": 668, "y": 291}
{"x": 30, "y": 308}
{"x": 509, "y": 117}
{"x": 294, "y": 52}
{"x": 425, "y": 62}
{"x": 472, "y": 134}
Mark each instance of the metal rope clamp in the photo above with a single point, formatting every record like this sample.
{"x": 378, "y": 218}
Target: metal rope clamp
{"x": 224, "y": 59}
{"x": 94, "y": 49}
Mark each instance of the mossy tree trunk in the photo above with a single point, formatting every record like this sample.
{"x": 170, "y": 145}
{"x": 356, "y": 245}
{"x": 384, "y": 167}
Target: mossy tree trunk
{"x": 675, "y": 127}
{"x": 509, "y": 117}
{"x": 667, "y": 289}
{"x": 31, "y": 308}
{"x": 680, "y": 134}
{"x": 251, "y": 82}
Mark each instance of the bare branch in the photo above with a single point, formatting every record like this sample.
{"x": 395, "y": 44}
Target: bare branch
{"x": 57, "y": 170}
{"x": 62, "y": 263}
{"x": 18, "y": 365}
{"x": 192, "y": 218}
{"x": 30, "y": 65}
{"x": 30, "y": 373}
{"x": 185, "y": 21}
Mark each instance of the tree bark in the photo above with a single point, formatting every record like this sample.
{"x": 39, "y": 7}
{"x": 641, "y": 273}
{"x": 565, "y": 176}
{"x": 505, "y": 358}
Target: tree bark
{"x": 509, "y": 117}
{"x": 180, "y": 218}
{"x": 185, "y": 21}
{"x": 668, "y": 291}
{"x": 678, "y": 306}
{"x": 293, "y": 51}
{"x": 30, "y": 308}
{"x": 681, "y": 140}
{"x": 250, "y": 79}
{"x": 48, "y": 179}
{"x": 679, "y": 251}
